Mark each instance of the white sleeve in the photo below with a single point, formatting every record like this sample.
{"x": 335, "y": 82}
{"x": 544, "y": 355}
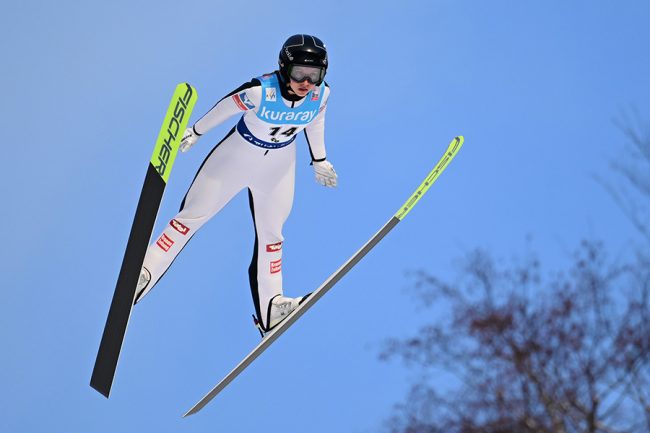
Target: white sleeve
{"x": 315, "y": 131}
{"x": 246, "y": 97}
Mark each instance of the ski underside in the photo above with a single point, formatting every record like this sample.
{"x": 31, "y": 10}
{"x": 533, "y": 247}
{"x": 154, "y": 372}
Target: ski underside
{"x": 158, "y": 171}
{"x": 275, "y": 333}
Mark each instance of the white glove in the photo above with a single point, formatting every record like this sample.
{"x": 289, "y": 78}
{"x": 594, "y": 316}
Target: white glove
{"x": 325, "y": 174}
{"x": 188, "y": 140}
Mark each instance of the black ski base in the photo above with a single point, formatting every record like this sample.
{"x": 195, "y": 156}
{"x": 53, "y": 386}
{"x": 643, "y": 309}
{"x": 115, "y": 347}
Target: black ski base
{"x": 120, "y": 310}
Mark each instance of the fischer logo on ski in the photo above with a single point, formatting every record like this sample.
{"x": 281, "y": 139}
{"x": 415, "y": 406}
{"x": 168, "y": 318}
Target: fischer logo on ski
{"x": 168, "y": 142}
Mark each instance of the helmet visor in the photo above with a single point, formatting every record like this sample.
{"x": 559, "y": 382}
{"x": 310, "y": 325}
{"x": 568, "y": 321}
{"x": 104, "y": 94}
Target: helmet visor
{"x": 300, "y": 73}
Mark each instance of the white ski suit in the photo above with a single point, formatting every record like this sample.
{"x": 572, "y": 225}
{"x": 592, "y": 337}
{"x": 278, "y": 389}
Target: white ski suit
{"x": 257, "y": 154}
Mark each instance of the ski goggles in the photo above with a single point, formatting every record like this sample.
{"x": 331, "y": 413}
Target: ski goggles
{"x": 300, "y": 73}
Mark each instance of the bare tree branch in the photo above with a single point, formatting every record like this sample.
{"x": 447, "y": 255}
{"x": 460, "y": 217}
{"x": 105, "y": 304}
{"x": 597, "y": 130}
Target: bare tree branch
{"x": 531, "y": 355}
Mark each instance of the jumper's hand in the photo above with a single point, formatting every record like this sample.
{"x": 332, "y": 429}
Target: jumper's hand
{"x": 325, "y": 174}
{"x": 188, "y": 140}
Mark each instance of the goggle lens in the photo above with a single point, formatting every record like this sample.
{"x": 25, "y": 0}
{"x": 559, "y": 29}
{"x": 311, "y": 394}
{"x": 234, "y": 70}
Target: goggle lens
{"x": 301, "y": 73}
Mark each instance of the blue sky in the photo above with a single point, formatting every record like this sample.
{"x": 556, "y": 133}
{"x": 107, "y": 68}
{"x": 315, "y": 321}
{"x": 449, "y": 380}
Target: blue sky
{"x": 533, "y": 86}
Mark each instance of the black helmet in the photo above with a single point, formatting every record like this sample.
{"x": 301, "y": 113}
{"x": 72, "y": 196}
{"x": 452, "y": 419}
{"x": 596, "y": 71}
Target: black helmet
{"x": 303, "y": 50}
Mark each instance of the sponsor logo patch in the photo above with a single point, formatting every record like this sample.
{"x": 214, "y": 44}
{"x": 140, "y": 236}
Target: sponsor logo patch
{"x": 165, "y": 242}
{"x": 276, "y": 266}
{"x": 316, "y": 94}
{"x": 298, "y": 116}
{"x": 243, "y": 102}
{"x": 270, "y": 94}
{"x": 271, "y": 248}
{"x": 179, "y": 227}
{"x": 247, "y": 102}
{"x": 239, "y": 103}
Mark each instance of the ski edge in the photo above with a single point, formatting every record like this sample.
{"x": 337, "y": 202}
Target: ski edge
{"x": 293, "y": 317}
{"x": 440, "y": 166}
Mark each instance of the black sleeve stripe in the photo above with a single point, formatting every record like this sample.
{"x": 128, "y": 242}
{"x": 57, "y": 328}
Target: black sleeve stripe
{"x": 310, "y": 152}
{"x": 252, "y": 83}
{"x": 308, "y": 144}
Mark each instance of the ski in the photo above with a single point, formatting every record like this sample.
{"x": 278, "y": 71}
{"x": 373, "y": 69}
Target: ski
{"x": 274, "y": 334}
{"x": 158, "y": 171}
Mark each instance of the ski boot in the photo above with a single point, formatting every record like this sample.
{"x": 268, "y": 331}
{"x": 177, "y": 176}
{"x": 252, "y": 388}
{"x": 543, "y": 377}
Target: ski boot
{"x": 143, "y": 283}
{"x": 279, "y": 309}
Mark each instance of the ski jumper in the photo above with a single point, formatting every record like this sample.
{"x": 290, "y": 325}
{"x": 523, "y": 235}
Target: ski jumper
{"x": 258, "y": 154}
